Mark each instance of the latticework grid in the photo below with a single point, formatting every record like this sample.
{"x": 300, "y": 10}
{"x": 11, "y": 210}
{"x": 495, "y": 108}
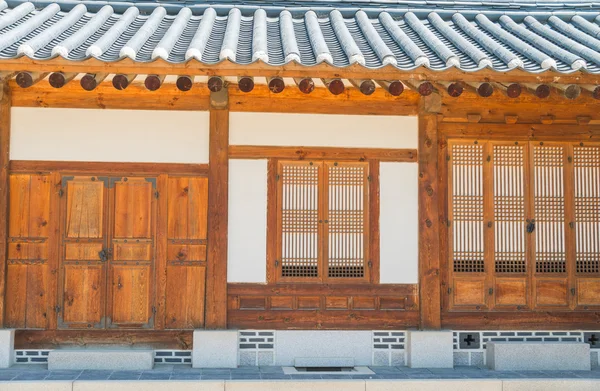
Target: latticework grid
{"x": 509, "y": 208}
{"x": 300, "y": 220}
{"x": 347, "y": 185}
{"x": 586, "y": 161}
{"x": 467, "y": 208}
{"x": 549, "y": 208}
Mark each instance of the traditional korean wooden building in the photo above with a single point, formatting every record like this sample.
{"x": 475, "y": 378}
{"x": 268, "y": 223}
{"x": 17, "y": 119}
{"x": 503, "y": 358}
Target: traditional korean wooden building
{"x": 277, "y": 170}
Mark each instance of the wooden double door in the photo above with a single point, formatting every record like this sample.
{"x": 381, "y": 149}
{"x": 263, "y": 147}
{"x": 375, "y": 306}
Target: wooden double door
{"x": 107, "y": 252}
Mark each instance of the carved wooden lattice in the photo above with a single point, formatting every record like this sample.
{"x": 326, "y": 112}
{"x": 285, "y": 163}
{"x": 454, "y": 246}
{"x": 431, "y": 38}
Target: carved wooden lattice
{"x": 300, "y": 256}
{"x": 346, "y": 184}
{"x": 509, "y": 209}
{"x": 549, "y": 208}
{"x": 467, "y": 208}
{"x": 586, "y": 161}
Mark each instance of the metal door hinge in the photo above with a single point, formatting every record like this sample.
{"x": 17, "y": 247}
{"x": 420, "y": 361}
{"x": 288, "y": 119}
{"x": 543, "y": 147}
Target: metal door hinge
{"x": 370, "y": 263}
{"x": 573, "y": 291}
{"x": 449, "y": 290}
{"x": 369, "y": 178}
{"x": 491, "y": 291}
{"x": 276, "y": 263}
{"x": 571, "y": 225}
{"x": 153, "y": 309}
{"x": 60, "y": 192}
{"x": 156, "y": 194}
{"x": 57, "y": 308}
{"x": 277, "y": 177}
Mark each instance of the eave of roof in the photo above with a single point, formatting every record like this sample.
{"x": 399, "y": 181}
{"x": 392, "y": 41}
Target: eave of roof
{"x": 563, "y": 41}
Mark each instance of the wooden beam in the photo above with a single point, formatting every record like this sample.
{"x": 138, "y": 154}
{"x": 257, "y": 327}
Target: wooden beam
{"x": 301, "y": 153}
{"x": 4, "y": 159}
{"x": 429, "y": 220}
{"x": 46, "y": 166}
{"x": 291, "y": 69}
{"x": 246, "y": 83}
{"x": 218, "y": 177}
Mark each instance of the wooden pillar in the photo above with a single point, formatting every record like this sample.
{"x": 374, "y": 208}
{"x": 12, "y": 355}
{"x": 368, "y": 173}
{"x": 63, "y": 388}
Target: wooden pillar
{"x": 429, "y": 221}
{"x": 218, "y": 178}
{"x": 5, "y": 103}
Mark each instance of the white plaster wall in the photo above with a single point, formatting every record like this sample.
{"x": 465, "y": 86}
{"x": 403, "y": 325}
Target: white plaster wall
{"x": 323, "y": 130}
{"x": 247, "y": 230}
{"x": 398, "y": 221}
{"x": 109, "y": 135}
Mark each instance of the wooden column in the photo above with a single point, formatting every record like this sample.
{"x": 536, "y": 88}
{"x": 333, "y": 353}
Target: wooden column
{"x": 5, "y": 103}
{"x": 429, "y": 221}
{"x": 218, "y": 177}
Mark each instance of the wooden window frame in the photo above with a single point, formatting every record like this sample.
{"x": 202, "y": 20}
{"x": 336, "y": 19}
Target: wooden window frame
{"x": 371, "y": 227}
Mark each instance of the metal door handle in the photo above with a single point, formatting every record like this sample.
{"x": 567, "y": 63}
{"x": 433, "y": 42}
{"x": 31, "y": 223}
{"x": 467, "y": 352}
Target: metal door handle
{"x": 103, "y": 254}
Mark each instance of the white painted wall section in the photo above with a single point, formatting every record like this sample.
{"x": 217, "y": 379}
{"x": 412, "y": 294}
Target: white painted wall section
{"x": 323, "y": 130}
{"x": 399, "y": 225}
{"x": 109, "y": 135}
{"x": 247, "y": 230}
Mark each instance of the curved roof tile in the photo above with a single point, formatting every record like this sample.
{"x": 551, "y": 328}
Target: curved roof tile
{"x": 470, "y": 39}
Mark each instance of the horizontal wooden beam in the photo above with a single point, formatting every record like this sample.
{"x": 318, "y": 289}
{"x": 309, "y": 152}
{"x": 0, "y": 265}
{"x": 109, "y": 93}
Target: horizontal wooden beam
{"x": 303, "y": 153}
{"x": 107, "y": 167}
{"x": 322, "y": 70}
{"x": 52, "y": 339}
{"x": 322, "y": 289}
{"x": 558, "y": 320}
{"x": 518, "y": 131}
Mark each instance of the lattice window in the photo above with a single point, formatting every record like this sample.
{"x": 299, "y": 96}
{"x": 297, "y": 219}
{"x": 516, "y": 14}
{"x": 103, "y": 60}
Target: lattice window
{"x": 549, "y": 208}
{"x": 509, "y": 208}
{"x": 323, "y": 210}
{"x": 300, "y": 219}
{"x": 586, "y": 161}
{"x": 346, "y": 219}
{"x": 467, "y": 208}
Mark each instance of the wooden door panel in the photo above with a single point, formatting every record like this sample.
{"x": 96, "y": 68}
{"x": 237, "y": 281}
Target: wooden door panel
{"x": 552, "y": 293}
{"x": 588, "y": 292}
{"x": 133, "y": 208}
{"x": 185, "y": 296}
{"x": 27, "y": 251}
{"x": 469, "y": 293}
{"x": 140, "y": 251}
{"x": 130, "y": 295}
{"x": 187, "y": 208}
{"x": 85, "y": 208}
{"x": 83, "y": 251}
{"x": 83, "y": 293}
{"x": 511, "y": 292}
{"x": 186, "y": 252}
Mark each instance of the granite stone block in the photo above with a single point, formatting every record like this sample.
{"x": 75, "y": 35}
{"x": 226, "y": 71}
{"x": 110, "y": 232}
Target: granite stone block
{"x": 57, "y": 385}
{"x": 477, "y": 359}
{"x": 296, "y": 385}
{"x": 107, "y": 359}
{"x": 215, "y": 349}
{"x": 551, "y": 385}
{"x": 265, "y": 358}
{"x": 7, "y": 348}
{"x": 461, "y": 358}
{"x": 430, "y": 349}
{"x": 398, "y": 358}
{"x": 149, "y": 385}
{"x": 247, "y": 358}
{"x": 381, "y": 358}
{"x": 434, "y": 385}
{"x": 538, "y": 356}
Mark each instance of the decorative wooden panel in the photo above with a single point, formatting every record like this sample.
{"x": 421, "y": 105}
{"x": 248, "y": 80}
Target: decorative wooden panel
{"x": 346, "y": 217}
{"x": 300, "y": 252}
{"x": 466, "y": 200}
{"x": 82, "y": 291}
{"x": 186, "y": 252}
{"x": 27, "y": 277}
{"x": 549, "y": 208}
{"x": 131, "y": 267}
{"x": 509, "y": 209}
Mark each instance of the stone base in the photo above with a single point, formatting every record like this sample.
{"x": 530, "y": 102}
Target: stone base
{"x": 105, "y": 359}
{"x": 429, "y": 349}
{"x": 7, "y": 348}
{"x": 215, "y": 349}
{"x": 538, "y": 356}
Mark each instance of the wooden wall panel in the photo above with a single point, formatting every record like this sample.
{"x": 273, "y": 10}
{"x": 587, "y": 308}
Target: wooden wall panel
{"x": 27, "y": 304}
{"x": 329, "y": 306}
{"x": 187, "y": 208}
{"x": 5, "y": 107}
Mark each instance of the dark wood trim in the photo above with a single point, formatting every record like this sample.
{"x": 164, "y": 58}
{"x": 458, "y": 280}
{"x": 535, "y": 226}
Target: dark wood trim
{"x": 514, "y": 132}
{"x": 429, "y": 221}
{"x": 302, "y": 153}
{"x": 5, "y": 106}
{"x": 443, "y": 212}
{"x": 374, "y": 212}
{"x": 54, "y": 246}
{"x": 488, "y": 320}
{"x": 108, "y": 167}
{"x": 52, "y": 339}
{"x": 218, "y": 177}
{"x": 271, "y": 220}
{"x": 248, "y": 289}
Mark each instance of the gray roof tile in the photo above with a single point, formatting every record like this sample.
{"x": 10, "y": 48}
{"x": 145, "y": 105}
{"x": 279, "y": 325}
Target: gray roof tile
{"x": 470, "y": 35}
